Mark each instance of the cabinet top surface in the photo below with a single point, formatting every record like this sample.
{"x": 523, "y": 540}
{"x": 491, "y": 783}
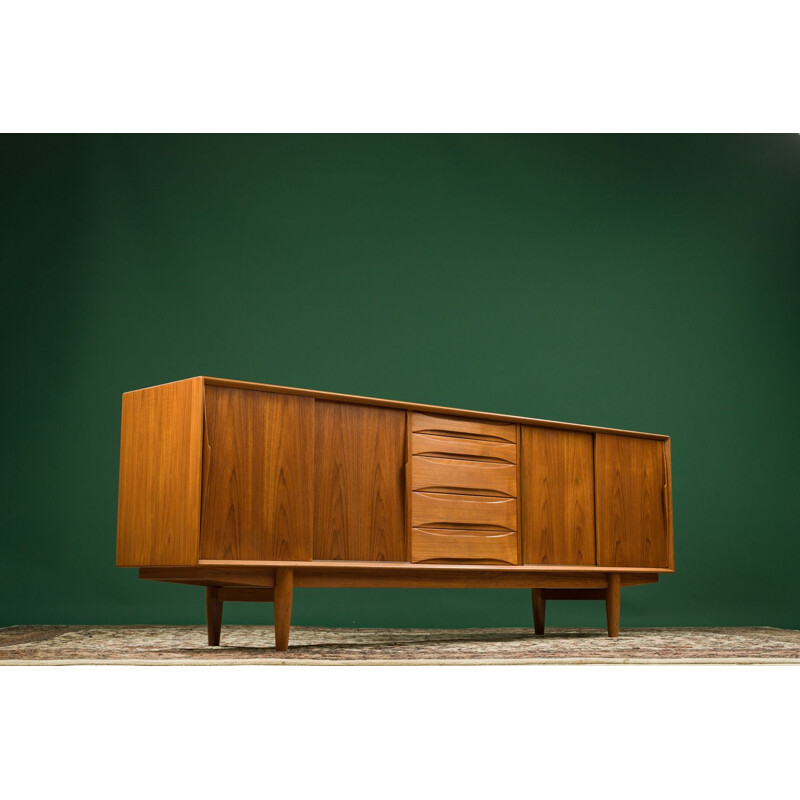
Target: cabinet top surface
{"x": 420, "y": 407}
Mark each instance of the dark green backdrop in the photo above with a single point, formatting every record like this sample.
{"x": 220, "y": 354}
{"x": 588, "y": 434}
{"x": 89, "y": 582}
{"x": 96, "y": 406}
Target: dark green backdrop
{"x": 642, "y": 282}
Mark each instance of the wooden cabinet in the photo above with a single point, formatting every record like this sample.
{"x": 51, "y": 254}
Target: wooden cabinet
{"x": 250, "y": 490}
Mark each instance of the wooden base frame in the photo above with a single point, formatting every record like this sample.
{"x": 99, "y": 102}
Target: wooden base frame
{"x": 611, "y": 596}
{"x": 280, "y": 596}
{"x": 275, "y": 584}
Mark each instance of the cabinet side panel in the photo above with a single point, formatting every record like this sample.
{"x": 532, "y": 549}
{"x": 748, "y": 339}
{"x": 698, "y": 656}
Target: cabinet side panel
{"x": 158, "y": 518}
{"x": 668, "y": 499}
{"x": 557, "y": 497}
{"x": 359, "y": 510}
{"x": 632, "y": 528}
{"x": 257, "y": 482}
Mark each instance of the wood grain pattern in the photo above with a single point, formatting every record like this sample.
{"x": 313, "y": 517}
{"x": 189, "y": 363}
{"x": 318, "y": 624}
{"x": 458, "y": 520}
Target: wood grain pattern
{"x": 234, "y": 576}
{"x": 613, "y": 604}
{"x": 463, "y": 511}
{"x": 339, "y": 573}
{"x": 427, "y": 577}
{"x": 539, "y": 605}
{"x": 456, "y": 521}
{"x": 463, "y": 477}
{"x": 258, "y": 476}
{"x": 158, "y": 520}
{"x": 668, "y": 500}
{"x": 234, "y": 567}
{"x": 424, "y": 408}
{"x": 284, "y": 585}
{"x": 213, "y": 615}
{"x": 359, "y": 486}
{"x": 468, "y": 428}
{"x": 435, "y": 545}
{"x": 631, "y": 502}
{"x": 458, "y": 447}
{"x": 557, "y": 496}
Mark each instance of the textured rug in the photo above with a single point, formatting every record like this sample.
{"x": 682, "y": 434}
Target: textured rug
{"x": 244, "y": 644}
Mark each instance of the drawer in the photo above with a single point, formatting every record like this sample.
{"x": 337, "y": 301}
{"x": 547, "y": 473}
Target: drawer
{"x": 463, "y": 477}
{"x": 423, "y": 444}
{"x": 464, "y": 427}
{"x": 458, "y": 511}
{"x": 464, "y": 545}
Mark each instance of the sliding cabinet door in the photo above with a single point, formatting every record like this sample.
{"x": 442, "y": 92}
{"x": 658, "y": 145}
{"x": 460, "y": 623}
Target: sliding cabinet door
{"x": 257, "y": 476}
{"x": 557, "y": 497}
{"x": 358, "y": 479}
{"x": 632, "y": 502}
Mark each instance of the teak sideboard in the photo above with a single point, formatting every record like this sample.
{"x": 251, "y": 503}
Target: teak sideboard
{"x": 250, "y": 489}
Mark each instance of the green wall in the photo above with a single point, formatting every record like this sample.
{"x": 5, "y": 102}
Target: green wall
{"x": 641, "y": 282}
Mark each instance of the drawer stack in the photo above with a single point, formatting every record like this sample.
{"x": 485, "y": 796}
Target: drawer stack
{"x": 463, "y": 490}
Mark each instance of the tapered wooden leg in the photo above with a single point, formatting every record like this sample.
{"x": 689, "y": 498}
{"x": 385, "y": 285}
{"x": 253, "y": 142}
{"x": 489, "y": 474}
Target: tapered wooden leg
{"x": 213, "y": 614}
{"x": 283, "y": 607}
{"x": 612, "y": 604}
{"x": 538, "y": 601}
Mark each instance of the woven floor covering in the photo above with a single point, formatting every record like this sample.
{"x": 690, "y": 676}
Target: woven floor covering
{"x": 249, "y": 644}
